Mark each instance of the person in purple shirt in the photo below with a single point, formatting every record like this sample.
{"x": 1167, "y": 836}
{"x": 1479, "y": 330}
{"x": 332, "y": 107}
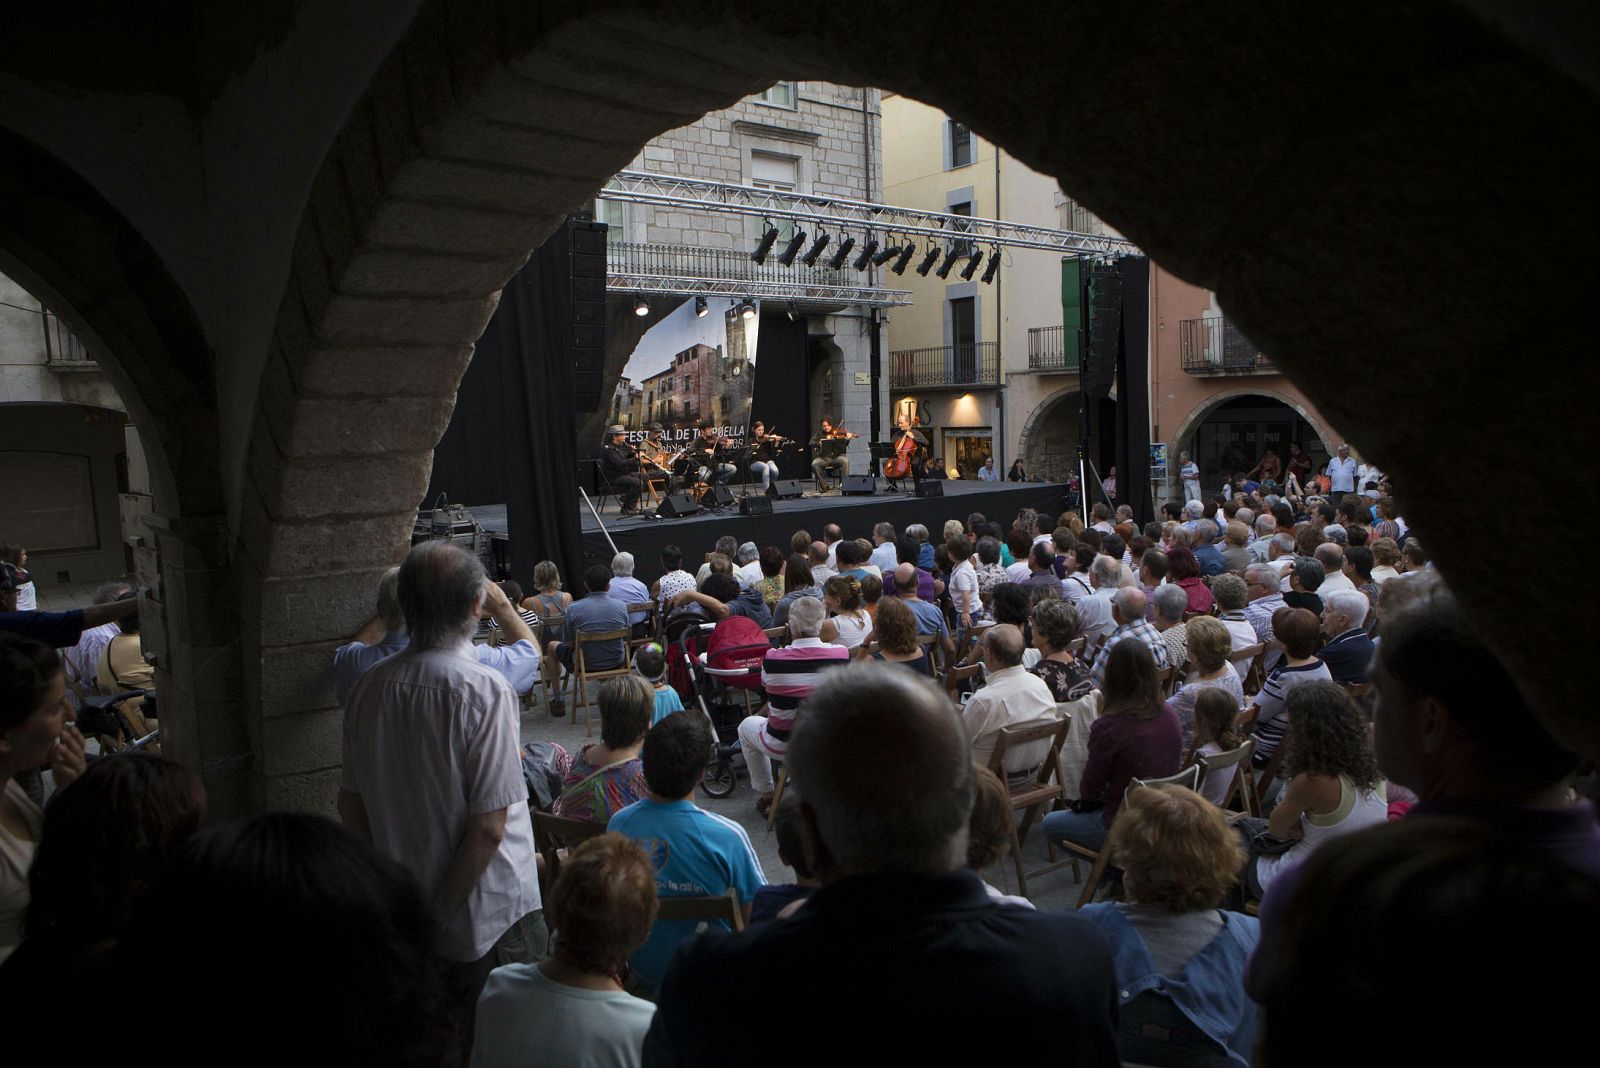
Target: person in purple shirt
{"x": 1453, "y": 728}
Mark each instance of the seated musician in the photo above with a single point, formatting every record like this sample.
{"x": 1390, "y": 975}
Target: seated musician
{"x": 910, "y": 446}
{"x": 619, "y": 462}
{"x": 765, "y": 464}
{"x": 828, "y": 449}
{"x": 656, "y": 454}
{"x": 713, "y": 467}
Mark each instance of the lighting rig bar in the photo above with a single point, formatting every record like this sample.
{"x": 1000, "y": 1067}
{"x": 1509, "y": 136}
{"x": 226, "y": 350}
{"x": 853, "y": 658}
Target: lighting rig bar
{"x": 842, "y": 213}
{"x": 862, "y": 296}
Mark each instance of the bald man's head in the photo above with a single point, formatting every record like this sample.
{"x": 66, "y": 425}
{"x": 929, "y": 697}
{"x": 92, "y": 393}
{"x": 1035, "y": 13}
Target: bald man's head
{"x": 1003, "y": 646}
{"x": 905, "y": 579}
{"x": 1128, "y": 604}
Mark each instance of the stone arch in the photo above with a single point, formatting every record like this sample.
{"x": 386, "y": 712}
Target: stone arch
{"x": 1039, "y": 446}
{"x": 1201, "y": 411}
{"x": 488, "y": 122}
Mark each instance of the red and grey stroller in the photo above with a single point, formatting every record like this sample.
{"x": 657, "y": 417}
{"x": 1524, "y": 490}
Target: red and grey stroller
{"x": 723, "y": 664}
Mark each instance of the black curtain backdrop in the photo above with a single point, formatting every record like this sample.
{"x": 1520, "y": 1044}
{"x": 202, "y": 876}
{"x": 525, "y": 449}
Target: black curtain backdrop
{"x": 782, "y": 397}
{"x": 1133, "y": 389}
{"x": 511, "y": 438}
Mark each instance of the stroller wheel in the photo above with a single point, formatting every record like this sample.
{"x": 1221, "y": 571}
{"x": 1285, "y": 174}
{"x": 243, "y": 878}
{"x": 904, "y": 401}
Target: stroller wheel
{"x": 719, "y": 779}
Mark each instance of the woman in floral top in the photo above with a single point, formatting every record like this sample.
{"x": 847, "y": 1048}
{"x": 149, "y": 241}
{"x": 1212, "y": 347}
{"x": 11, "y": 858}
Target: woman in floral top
{"x": 990, "y": 571}
{"x": 1055, "y": 627}
{"x": 609, "y": 775}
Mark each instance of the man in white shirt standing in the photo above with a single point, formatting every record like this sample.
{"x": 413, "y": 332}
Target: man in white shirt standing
{"x": 1189, "y": 471}
{"x": 433, "y": 776}
{"x": 1341, "y": 472}
{"x": 1012, "y": 697}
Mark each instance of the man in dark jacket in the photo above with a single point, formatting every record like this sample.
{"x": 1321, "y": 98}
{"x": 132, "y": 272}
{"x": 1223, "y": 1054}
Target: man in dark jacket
{"x": 901, "y": 956}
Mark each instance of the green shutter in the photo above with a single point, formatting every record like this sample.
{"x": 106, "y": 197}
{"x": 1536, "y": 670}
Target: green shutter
{"x": 1073, "y": 323}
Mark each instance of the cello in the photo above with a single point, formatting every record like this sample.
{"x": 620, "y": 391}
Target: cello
{"x": 905, "y": 449}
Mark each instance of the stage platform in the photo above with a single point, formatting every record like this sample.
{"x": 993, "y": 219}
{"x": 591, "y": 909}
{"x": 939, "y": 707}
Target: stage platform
{"x": 696, "y": 534}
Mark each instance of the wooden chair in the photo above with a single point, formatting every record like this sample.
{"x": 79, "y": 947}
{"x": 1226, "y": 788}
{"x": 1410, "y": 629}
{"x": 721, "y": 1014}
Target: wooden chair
{"x": 1243, "y": 788}
{"x": 1075, "y": 753}
{"x": 652, "y": 620}
{"x": 956, "y": 675}
{"x": 549, "y": 627}
{"x": 1164, "y": 677}
{"x": 780, "y": 780}
{"x": 1263, "y": 782}
{"x": 586, "y": 676}
{"x": 1043, "y": 789}
{"x": 1254, "y": 658}
{"x": 1189, "y": 777}
{"x": 552, "y": 834}
{"x": 710, "y": 908}
{"x": 930, "y": 646}
{"x": 1075, "y": 646}
{"x": 778, "y": 636}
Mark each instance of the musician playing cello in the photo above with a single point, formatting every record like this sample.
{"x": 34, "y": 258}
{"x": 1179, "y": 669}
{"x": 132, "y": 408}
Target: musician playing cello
{"x": 828, "y": 449}
{"x": 619, "y": 461}
{"x": 909, "y": 446}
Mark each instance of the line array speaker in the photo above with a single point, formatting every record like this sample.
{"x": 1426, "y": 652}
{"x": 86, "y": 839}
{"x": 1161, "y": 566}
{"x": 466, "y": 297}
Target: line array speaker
{"x": 1105, "y": 329}
{"x": 586, "y": 244}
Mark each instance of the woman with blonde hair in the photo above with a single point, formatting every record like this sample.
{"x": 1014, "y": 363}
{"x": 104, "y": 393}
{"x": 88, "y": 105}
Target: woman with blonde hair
{"x": 1180, "y": 958}
{"x": 548, "y": 599}
{"x": 1209, "y": 645}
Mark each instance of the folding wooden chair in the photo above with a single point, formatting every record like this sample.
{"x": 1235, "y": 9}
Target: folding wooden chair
{"x": 778, "y": 636}
{"x": 1189, "y": 777}
{"x": 956, "y": 675}
{"x": 1043, "y": 788}
{"x": 930, "y": 646}
{"x": 549, "y": 627}
{"x": 1263, "y": 781}
{"x": 1164, "y": 678}
{"x": 586, "y": 676}
{"x": 651, "y": 621}
{"x": 1253, "y": 657}
{"x": 710, "y": 908}
{"x": 1243, "y": 788}
{"x": 552, "y": 834}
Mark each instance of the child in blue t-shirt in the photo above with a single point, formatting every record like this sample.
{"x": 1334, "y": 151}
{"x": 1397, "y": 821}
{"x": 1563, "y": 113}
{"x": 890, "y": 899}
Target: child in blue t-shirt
{"x": 651, "y": 662}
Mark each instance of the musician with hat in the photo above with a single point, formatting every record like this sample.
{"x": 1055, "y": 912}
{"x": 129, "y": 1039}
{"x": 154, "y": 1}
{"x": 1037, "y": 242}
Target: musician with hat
{"x": 619, "y": 462}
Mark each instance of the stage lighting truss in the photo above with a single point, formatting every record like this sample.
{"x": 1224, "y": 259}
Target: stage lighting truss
{"x": 863, "y": 296}
{"x": 792, "y": 249}
{"x": 994, "y": 267}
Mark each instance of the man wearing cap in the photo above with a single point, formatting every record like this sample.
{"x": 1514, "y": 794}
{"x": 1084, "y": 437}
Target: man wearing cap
{"x": 59, "y": 630}
{"x": 619, "y": 462}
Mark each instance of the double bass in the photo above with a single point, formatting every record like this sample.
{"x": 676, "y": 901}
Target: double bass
{"x": 905, "y": 451}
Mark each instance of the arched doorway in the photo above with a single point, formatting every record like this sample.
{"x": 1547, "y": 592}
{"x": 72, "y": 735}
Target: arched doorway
{"x": 1049, "y": 440}
{"x": 1228, "y": 435}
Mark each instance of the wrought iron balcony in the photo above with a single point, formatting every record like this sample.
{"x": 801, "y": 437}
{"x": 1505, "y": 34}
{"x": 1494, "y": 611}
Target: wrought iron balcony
{"x": 946, "y": 366}
{"x": 1047, "y": 350}
{"x": 1214, "y": 346}
{"x": 690, "y": 261}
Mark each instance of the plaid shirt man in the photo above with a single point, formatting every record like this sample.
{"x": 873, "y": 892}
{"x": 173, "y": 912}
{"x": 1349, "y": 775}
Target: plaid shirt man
{"x": 1138, "y": 629}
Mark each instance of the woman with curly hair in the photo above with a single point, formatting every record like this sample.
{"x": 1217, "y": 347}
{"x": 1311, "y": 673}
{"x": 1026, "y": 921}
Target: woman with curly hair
{"x": 848, "y": 623}
{"x": 895, "y": 629}
{"x": 1175, "y": 948}
{"x": 1335, "y": 786}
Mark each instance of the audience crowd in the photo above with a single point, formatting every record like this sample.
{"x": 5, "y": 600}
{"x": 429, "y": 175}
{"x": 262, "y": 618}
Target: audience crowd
{"x": 1378, "y": 824}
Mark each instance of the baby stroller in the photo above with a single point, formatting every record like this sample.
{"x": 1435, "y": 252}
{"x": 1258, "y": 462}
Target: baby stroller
{"x": 724, "y": 666}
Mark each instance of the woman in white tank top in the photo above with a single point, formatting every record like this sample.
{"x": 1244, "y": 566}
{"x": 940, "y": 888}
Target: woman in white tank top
{"x": 848, "y": 624}
{"x": 1334, "y": 783}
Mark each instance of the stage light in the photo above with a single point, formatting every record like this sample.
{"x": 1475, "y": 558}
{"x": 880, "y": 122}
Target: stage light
{"x": 950, "y": 257}
{"x": 792, "y": 249}
{"x": 768, "y": 239}
{"x": 700, "y": 307}
{"x": 641, "y": 307}
{"x": 900, "y": 264}
{"x": 886, "y": 254}
{"x": 928, "y": 261}
{"x": 794, "y": 310}
{"x": 994, "y": 267}
{"x": 972, "y": 266}
{"x": 810, "y": 258}
{"x": 747, "y": 310}
{"x": 866, "y": 254}
{"x": 842, "y": 254}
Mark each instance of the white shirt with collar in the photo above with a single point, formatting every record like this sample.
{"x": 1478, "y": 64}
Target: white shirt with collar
{"x": 1334, "y": 583}
{"x": 748, "y": 574}
{"x": 1011, "y": 698}
{"x": 1095, "y": 621}
{"x": 884, "y": 558}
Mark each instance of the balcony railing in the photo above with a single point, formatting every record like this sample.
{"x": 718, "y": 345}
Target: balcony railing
{"x": 1047, "y": 350}
{"x": 1214, "y": 346}
{"x": 946, "y": 366}
{"x": 689, "y": 261}
{"x": 62, "y": 349}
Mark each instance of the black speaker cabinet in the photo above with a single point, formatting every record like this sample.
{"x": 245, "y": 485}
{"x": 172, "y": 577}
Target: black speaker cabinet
{"x": 718, "y": 495}
{"x": 930, "y": 487}
{"x": 859, "y": 486}
{"x": 755, "y": 505}
{"x": 784, "y": 489}
{"x": 676, "y": 505}
{"x": 586, "y": 339}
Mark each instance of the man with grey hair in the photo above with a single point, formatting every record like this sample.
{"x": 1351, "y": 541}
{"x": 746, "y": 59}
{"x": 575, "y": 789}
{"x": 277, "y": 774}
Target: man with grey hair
{"x": 1094, "y": 611}
{"x": 885, "y": 780}
{"x": 1266, "y": 528}
{"x": 1189, "y": 472}
{"x": 1348, "y": 650}
{"x": 627, "y": 589}
{"x": 924, "y": 546}
{"x": 747, "y": 561}
{"x": 1170, "y": 602}
{"x": 1012, "y": 697}
{"x": 788, "y": 674}
{"x": 883, "y": 552}
{"x": 1331, "y": 557}
{"x": 83, "y": 660}
{"x": 432, "y": 774}
{"x": 1206, "y": 553}
{"x": 1128, "y": 608}
{"x": 728, "y": 546}
{"x": 1263, "y": 587}
{"x": 516, "y": 657}
{"x": 1336, "y": 533}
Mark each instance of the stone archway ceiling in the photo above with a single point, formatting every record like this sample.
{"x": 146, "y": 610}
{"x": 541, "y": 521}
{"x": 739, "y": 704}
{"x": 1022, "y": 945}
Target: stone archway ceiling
{"x": 1334, "y": 174}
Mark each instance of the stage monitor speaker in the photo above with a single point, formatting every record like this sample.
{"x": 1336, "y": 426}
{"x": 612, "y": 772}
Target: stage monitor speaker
{"x": 755, "y": 505}
{"x": 930, "y": 487}
{"x": 586, "y": 251}
{"x": 785, "y": 489}
{"x": 1105, "y": 328}
{"x": 718, "y": 495}
{"x": 677, "y": 505}
{"x": 859, "y": 486}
